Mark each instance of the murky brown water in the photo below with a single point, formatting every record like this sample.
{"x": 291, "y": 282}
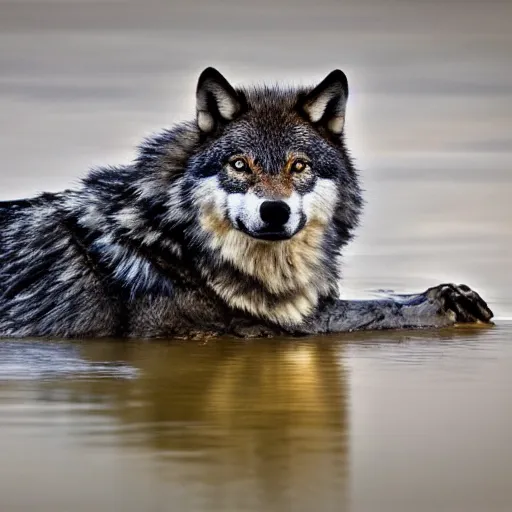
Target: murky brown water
{"x": 375, "y": 422}
{"x": 356, "y": 422}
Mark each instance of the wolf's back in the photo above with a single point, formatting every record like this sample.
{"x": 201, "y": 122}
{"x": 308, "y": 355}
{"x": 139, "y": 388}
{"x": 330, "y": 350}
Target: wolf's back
{"x": 46, "y": 286}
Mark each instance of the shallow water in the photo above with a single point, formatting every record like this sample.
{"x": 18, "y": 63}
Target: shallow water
{"x": 408, "y": 421}
{"x": 362, "y": 422}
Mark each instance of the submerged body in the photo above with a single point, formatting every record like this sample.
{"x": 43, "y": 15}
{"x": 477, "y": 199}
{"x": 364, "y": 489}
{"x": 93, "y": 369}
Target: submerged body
{"x": 232, "y": 224}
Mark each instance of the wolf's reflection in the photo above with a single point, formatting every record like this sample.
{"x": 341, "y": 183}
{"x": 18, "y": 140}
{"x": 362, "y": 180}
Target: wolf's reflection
{"x": 262, "y": 424}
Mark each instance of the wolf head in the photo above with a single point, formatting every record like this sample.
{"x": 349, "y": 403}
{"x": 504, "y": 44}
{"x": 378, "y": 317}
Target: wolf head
{"x": 258, "y": 194}
{"x": 272, "y": 159}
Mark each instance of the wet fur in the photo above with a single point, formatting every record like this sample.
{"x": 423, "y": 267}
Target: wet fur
{"x": 149, "y": 250}
{"x": 143, "y": 250}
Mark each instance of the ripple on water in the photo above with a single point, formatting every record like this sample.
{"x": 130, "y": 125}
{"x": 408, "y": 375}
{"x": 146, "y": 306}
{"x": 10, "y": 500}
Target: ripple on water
{"x": 26, "y": 360}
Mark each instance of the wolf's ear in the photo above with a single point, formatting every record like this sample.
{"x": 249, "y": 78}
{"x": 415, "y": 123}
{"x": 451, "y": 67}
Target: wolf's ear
{"x": 325, "y": 104}
{"x": 217, "y": 101}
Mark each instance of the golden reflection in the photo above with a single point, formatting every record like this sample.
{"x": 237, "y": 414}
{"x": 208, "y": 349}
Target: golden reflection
{"x": 258, "y": 425}
{"x": 266, "y": 416}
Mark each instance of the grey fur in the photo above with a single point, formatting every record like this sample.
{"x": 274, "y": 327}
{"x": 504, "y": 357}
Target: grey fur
{"x": 158, "y": 249}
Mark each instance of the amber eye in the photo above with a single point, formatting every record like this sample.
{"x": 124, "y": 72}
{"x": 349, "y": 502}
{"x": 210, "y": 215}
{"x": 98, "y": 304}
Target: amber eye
{"x": 240, "y": 165}
{"x": 299, "y": 166}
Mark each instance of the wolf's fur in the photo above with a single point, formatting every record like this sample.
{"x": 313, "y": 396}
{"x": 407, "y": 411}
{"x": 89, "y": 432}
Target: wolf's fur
{"x": 165, "y": 246}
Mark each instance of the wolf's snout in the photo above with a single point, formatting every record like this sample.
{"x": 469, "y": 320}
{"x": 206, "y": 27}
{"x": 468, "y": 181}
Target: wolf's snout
{"x": 269, "y": 220}
{"x": 275, "y": 213}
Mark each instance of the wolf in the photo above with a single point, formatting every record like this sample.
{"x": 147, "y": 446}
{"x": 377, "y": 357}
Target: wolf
{"x": 230, "y": 224}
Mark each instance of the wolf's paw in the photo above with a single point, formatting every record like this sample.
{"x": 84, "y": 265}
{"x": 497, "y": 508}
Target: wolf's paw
{"x": 460, "y": 303}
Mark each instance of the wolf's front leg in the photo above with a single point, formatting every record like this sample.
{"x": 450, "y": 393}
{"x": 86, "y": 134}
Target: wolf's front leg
{"x": 440, "y": 306}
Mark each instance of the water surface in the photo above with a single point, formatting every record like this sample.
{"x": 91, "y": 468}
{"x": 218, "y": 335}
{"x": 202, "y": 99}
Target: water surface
{"x": 385, "y": 421}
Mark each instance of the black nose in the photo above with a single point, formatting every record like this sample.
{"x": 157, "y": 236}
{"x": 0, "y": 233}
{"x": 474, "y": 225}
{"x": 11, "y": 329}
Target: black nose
{"x": 274, "y": 213}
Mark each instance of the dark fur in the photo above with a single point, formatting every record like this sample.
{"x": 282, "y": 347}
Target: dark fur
{"x": 124, "y": 255}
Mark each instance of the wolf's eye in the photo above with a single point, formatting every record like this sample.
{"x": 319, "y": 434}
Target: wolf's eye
{"x": 240, "y": 165}
{"x": 299, "y": 166}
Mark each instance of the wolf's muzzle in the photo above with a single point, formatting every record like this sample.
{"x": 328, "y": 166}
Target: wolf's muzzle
{"x": 275, "y": 214}
{"x": 272, "y": 235}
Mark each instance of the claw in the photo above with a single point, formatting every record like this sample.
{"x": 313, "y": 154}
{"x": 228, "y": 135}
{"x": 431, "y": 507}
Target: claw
{"x": 466, "y": 305}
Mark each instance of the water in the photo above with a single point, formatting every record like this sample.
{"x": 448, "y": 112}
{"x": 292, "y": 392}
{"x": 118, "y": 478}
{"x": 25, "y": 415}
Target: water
{"x": 361, "y": 422}
{"x": 382, "y": 422}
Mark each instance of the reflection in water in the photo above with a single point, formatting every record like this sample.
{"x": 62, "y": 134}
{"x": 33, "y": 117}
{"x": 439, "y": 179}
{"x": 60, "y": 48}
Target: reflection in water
{"x": 259, "y": 425}
{"x": 231, "y": 425}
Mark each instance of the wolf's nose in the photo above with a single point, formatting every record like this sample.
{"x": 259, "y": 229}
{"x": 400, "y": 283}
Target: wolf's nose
{"x": 274, "y": 213}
